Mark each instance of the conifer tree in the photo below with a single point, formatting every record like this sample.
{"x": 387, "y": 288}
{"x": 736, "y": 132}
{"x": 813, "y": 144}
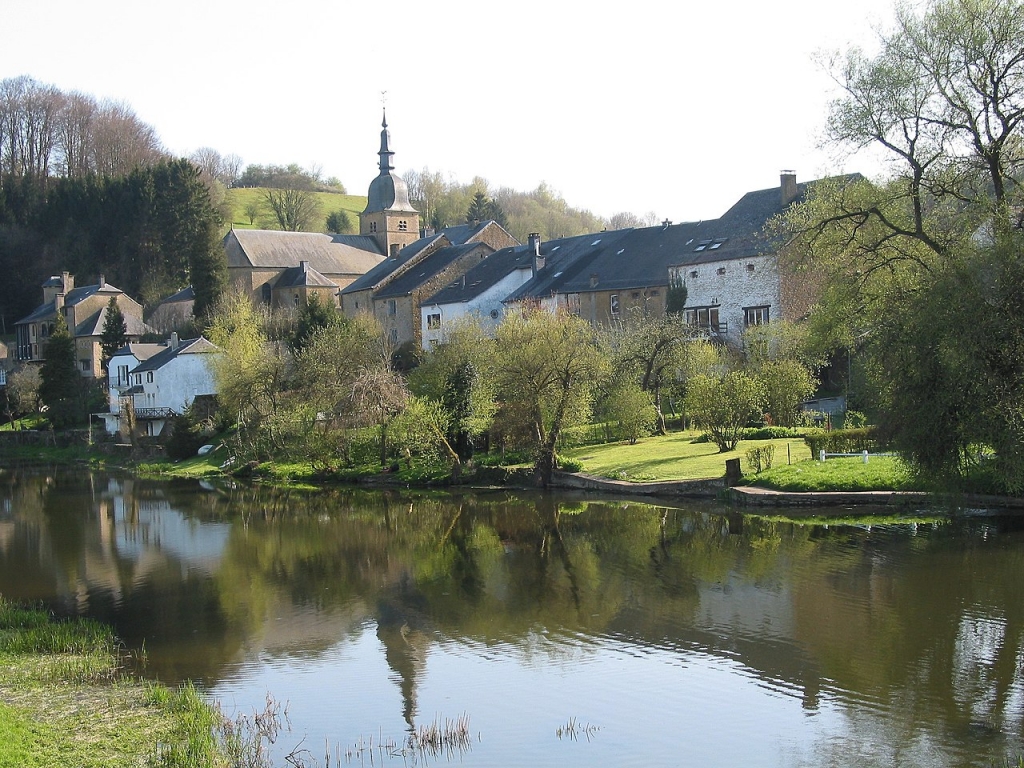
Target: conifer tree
{"x": 115, "y": 332}
{"x": 60, "y": 385}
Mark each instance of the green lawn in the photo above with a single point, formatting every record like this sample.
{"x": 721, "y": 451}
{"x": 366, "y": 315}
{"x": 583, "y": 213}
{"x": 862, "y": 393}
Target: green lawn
{"x": 675, "y": 457}
{"x": 237, "y": 199}
{"x": 881, "y": 473}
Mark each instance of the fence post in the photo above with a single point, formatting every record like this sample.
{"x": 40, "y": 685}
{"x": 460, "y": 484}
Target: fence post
{"x": 821, "y": 455}
{"x": 865, "y": 457}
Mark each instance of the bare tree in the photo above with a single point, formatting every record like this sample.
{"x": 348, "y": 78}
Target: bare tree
{"x": 296, "y": 210}
{"x": 121, "y": 141}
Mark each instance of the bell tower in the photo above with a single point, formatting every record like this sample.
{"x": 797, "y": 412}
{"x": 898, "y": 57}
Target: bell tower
{"x": 389, "y": 216}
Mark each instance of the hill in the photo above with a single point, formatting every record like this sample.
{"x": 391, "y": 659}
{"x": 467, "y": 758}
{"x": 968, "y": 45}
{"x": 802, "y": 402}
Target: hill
{"x": 238, "y": 199}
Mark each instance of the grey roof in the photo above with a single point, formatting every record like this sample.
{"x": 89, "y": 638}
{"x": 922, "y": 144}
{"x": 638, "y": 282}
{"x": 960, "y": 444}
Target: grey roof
{"x": 73, "y": 297}
{"x": 495, "y": 267}
{"x": 298, "y": 277}
{"x": 565, "y": 258}
{"x": 327, "y": 254}
{"x": 140, "y": 351}
{"x": 93, "y": 325}
{"x": 185, "y": 347}
{"x": 415, "y": 276}
{"x": 386, "y": 267}
{"x": 185, "y": 294}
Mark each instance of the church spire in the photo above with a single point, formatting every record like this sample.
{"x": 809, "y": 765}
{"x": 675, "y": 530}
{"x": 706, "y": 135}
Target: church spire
{"x": 386, "y": 165}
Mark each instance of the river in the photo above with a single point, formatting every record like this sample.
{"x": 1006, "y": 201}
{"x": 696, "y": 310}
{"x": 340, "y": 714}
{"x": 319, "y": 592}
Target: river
{"x": 547, "y": 630}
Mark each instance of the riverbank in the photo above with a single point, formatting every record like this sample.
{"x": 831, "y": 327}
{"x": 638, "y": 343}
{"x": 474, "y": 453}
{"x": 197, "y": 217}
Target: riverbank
{"x": 66, "y": 699}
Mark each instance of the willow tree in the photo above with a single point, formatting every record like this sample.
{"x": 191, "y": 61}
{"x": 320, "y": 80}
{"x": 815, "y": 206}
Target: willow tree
{"x": 943, "y": 100}
{"x": 548, "y": 364}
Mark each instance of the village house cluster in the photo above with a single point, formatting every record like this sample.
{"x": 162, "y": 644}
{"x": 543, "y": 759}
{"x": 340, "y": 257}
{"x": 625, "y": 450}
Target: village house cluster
{"x": 419, "y": 283}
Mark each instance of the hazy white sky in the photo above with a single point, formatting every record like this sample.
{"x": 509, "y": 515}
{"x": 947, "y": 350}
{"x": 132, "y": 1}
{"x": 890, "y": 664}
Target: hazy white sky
{"x": 672, "y": 107}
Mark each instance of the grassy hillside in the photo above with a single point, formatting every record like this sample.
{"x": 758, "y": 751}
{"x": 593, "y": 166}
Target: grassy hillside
{"x": 236, "y": 201}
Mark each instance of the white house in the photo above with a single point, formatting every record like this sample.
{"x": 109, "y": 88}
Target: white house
{"x": 161, "y": 380}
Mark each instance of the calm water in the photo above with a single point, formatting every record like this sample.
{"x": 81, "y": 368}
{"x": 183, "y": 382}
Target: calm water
{"x": 668, "y": 636}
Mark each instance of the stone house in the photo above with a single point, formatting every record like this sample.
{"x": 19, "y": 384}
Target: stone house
{"x": 85, "y": 310}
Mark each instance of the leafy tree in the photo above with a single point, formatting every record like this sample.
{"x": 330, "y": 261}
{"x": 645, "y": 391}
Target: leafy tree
{"x": 339, "y": 222}
{"x": 115, "y": 332}
{"x": 723, "y": 405}
{"x": 313, "y": 315}
{"x": 457, "y": 375}
{"x": 650, "y": 351}
{"x": 253, "y": 210}
{"x": 60, "y": 385}
{"x": 944, "y": 99}
{"x": 631, "y": 408}
{"x": 22, "y": 392}
{"x": 547, "y": 366}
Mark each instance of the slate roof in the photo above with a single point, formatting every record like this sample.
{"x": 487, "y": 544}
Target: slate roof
{"x": 388, "y": 266}
{"x": 140, "y": 351}
{"x": 185, "y": 294}
{"x": 328, "y": 254}
{"x": 198, "y": 346}
{"x": 93, "y": 325}
{"x": 484, "y": 275}
{"x": 415, "y": 276}
{"x": 297, "y": 277}
{"x": 73, "y": 297}
{"x": 566, "y": 258}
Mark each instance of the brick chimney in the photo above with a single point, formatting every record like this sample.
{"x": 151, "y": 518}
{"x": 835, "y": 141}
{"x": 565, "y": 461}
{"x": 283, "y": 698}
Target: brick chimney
{"x": 787, "y": 184}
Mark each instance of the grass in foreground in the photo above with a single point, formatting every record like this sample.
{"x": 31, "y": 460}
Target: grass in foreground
{"x": 65, "y": 701}
{"x": 881, "y": 473}
{"x": 675, "y": 457}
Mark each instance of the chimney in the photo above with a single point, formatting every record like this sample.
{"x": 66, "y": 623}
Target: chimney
{"x": 67, "y": 281}
{"x": 666, "y": 224}
{"x": 534, "y": 245}
{"x": 593, "y": 279}
{"x": 173, "y": 341}
{"x": 102, "y": 282}
{"x": 58, "y": 302}
{"x": 787, "y": 184}
{"x": 304, "y": 266}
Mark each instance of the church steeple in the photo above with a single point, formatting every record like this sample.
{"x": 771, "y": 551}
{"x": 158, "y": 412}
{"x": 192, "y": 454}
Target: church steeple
{"x": 386, "y": 166}
{"x": 389, "y": 216}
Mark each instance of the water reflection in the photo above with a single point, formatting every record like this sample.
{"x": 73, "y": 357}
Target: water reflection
{"x": 899, "y": 644}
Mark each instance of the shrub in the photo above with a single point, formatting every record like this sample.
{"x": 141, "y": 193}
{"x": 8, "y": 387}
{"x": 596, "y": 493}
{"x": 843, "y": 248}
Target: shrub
{"x": 768, "y": 433}
{"x": 761, "y": 458}
{"x": 567, "y": 464}
{"x": 844, "y": 441}
{"x": 187, "y": 437}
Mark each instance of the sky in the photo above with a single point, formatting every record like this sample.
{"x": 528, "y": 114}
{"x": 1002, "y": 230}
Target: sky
{"x": 670, "y": 108}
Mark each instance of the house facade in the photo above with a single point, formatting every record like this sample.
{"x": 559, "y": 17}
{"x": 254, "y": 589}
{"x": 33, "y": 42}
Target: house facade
{"x": 85, "y": 311}
{"x": 158, "y": 382}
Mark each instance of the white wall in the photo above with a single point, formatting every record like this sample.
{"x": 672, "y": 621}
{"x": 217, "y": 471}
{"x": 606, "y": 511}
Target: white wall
{"x": 736, "y": 288}
{"x": 481, "y": 306}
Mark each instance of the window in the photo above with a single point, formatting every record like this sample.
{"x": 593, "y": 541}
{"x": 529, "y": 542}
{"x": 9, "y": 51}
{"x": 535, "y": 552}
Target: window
{"x": 373, "y": 226}
{"x": 122, "y": 374}
{"x": 572, "y": 303}
{"x": 755, "y": 316}
{"x": 393, "y": 335}
{"x": 613, "y": 304}
{"x": 434, "y": 321}
{"x": 138, "y": 378}
{"x": 265, "y": 291}
{"x": 721, "y": 270}
{"x": 403, "y": 226}
{"x": 750, "y": 267}
{"x": 149, "y": 377}
{"x": 392, "y": 307}
{"x": 693, "y": 273}
{"x": 704, "y": 317}
{"x": 85, "y": 364}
